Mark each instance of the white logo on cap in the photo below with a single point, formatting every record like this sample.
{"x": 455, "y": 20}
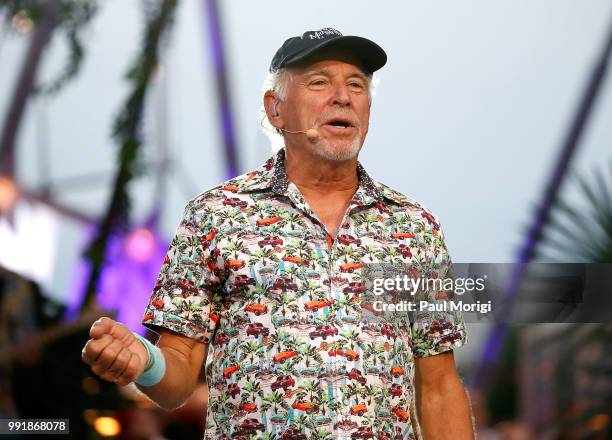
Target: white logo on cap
{"x": 323, "y": 33}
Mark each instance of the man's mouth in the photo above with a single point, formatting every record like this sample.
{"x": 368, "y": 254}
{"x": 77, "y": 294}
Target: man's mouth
{"x": 339, "y": 122}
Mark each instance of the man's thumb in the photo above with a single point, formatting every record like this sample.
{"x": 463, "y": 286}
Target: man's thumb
{"x": 101, "y": 327}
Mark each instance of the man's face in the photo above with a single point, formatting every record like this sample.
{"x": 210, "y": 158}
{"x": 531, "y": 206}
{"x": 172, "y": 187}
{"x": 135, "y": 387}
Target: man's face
{"x": 329, "y": 94}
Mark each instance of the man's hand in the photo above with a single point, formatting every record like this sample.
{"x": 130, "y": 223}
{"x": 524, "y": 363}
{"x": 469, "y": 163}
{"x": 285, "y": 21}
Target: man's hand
{"x": 114, "y": 353}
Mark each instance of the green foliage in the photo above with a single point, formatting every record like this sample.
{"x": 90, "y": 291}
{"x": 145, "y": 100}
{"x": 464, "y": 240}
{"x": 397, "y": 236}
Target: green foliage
{"x": 74, "y": 17}
{"x": 126, "y": 134}
{"x": 581, "y": 231}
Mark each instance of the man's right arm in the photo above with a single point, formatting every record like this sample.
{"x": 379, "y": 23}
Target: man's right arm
{"x": 116, "y": 355}
{"x": 185, "y": 280}
{"x": 184, "y": 359}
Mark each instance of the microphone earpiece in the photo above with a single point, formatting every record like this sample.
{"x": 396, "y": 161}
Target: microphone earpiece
{"x": 311, "y": 133}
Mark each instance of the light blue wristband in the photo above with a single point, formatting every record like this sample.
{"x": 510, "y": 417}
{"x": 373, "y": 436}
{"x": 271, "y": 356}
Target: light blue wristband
{"x": 156, "y": 364}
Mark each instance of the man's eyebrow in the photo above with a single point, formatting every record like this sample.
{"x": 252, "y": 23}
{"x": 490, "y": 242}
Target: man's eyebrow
{"x": 325, "y": 72}
{"x": 360, "y": 76}
{"x": 314, "y": 72}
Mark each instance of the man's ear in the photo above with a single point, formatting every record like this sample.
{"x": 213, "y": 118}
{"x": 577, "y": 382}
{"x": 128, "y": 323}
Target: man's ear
{"x": 271, "y": 104}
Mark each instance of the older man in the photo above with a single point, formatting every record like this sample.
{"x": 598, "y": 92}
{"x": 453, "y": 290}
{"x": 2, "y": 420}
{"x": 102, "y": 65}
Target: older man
{"x": 264, "y": 281}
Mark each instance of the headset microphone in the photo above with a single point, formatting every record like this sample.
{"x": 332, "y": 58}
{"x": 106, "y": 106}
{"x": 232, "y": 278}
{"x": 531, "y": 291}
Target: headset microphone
{"x": 311, "y": 133}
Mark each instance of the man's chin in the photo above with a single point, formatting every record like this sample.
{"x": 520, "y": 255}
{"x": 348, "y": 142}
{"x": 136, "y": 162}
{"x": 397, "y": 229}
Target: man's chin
{"x": 338, "y": 151}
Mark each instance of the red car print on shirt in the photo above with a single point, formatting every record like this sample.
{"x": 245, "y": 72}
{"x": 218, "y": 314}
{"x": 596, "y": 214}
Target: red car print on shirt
{"x": 248, "y": 406}
{"x": 349, "y": 239}
{"x": 397, "y": 371}
{"x": 296, "y": 260}
{"x": 351, "y": 267}
{"x": 256, "y": 329}
{"x": 270, "y": 241}
{"x": 230, "y": 370}
{"x": 430, "y": 219}
{"x": 293, "y": 434}
{"x": 234, "y": 201}
{"x": 303, "y": 406}
{"x": 233, "y": 389}
{"x": 158, "y": 304}
{"x": 268, "y": 221}
{"x": 187, "y": 286}
{"x": 387, "y": 331}
{"x": 354, "y": 287}
{"x": 250, "y": 425}
{"x": 243, "y": 281}
{"x": 211, "y": 235}
{"x": 370, "y": 307}
{"x": 257, "y": 309}
{"x": 402, "y": 235}
{"x": 362, "y": 432}
{"x": 404, "y": 250}
{"x": 212, "y": 266}
{"x": 221, "y": 338}
{"x": 283, "y": 284}
{"x": 350, "y": 355}
{"x": 359, "y": 409}
{"x": 283, "y": 381}
{"x": 235, "y": 264}
{"x": 323, "y": 331}
{"x": 313, "y": 306}
{"x": 355, "y": 374}
{"x": 401, "y": 414}
{"x": 148, "y": 317}
{"x": 283, "y": 356}
{"x": 396, "y": 389}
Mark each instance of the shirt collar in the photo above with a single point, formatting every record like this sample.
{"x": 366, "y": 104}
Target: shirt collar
{"x": 272, "y": 176}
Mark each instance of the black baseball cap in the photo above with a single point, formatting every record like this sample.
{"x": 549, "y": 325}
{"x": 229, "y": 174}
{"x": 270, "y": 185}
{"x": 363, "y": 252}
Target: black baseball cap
{"x": 295, "y": 49}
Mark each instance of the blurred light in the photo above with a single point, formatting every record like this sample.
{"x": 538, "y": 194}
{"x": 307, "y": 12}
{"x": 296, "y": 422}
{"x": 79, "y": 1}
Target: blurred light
{"x": 107, "y": 426}
{"x": 28, "y": 242}
{"x": 598, "y": 422}
{"x": 140, "y": 244}
{"x": 121, "y": 274}
{"x": 90, "y": 415}
{"x": 22, "y": 22}
{"x": 91, "y": 385}
{"x": 8, "y": 194}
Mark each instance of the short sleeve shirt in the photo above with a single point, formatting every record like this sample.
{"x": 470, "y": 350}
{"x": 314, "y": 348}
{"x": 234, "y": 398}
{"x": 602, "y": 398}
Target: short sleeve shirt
{"x": 252, "y": 272}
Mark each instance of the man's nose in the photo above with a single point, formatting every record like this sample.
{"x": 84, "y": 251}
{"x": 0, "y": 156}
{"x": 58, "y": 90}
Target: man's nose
{"x": 341, "y": 95}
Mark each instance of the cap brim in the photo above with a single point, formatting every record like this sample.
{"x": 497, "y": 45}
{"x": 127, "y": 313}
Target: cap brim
{"x": 371, "y": 55}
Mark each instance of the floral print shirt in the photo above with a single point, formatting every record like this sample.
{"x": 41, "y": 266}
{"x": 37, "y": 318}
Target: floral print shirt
{"x": 253, "y": 272}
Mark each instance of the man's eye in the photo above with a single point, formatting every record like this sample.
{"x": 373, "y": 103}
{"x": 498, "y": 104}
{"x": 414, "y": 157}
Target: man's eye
{"x": 318, "y": 82}
{"x": 358, "y": 85}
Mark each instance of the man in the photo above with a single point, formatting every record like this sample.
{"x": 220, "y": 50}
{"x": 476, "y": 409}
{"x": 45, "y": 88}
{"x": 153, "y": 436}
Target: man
{"x": 268, "y": 268}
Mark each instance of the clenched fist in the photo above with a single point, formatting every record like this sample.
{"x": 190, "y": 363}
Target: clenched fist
{"x": 113, "y": 352}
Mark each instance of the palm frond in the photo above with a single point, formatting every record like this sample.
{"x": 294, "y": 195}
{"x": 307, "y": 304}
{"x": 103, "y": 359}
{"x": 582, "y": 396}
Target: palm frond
{"x": 581, "y": 230}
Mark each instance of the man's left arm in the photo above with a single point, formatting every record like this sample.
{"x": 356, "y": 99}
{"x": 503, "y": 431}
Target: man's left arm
{"x": 441, "y": 400}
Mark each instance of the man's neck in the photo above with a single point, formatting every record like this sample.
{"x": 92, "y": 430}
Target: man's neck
{"x": 327, "y": 186}
{"x": 318, "y": 176}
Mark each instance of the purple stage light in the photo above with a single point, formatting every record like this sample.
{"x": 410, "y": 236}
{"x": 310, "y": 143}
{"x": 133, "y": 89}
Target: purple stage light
{"x": 140, "y": 244}
{"x": 128, "y": 277}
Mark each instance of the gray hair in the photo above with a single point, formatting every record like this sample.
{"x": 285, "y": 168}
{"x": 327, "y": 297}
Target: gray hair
{"x": 278, "y": 83}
